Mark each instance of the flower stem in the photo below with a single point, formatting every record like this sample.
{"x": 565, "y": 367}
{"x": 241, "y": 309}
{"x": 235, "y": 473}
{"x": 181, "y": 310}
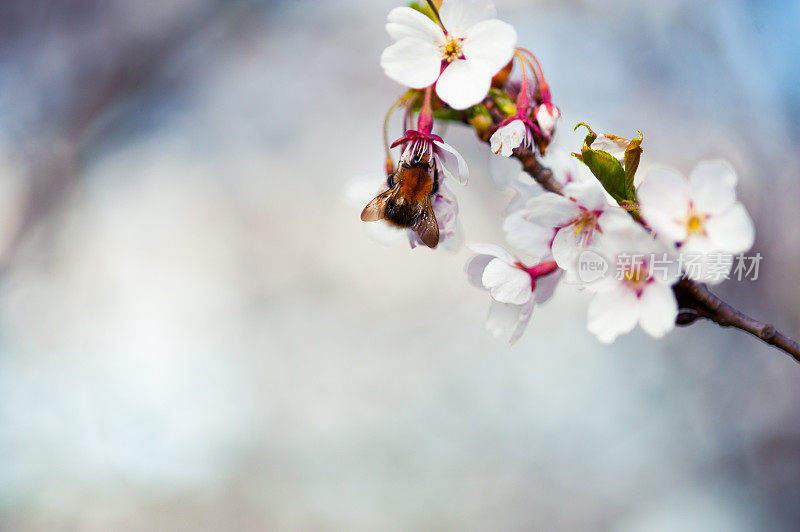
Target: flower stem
{"x": 395, "y": 105}
{"x": 522, "y": 98}
{"x": 425, "y": 118}
{"x": 544, "y": 88}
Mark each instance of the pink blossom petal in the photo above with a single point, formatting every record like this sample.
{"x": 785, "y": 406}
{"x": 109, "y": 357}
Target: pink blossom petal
{"x": 731, "y": 230}
{"x": 412, "y": 62}
{"x": 658, "y": 309}
{"x": 490, "y": 44}
{"x": 452, "y": 162}
{"x": 507, "y": 283}
{"x": 406, "y": 22}
{"x": 613, "y": 313}
{"x": 459, "y": 15}
{"x": 463, "y": 84}
{"x": 712, "y": 186}
{"x": 550, "y": 210}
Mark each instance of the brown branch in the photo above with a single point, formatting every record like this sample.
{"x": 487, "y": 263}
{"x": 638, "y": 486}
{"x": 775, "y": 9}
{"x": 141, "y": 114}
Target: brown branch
{"x": 540, "y": 174}
{"x": 695, "y": 300}
{"x": 701, "y": 303}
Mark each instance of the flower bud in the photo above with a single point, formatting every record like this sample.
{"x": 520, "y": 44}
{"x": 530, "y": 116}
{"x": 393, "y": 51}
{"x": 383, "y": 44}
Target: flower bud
{"x": 480, "y": 119}
{"x": 547, "y": 115}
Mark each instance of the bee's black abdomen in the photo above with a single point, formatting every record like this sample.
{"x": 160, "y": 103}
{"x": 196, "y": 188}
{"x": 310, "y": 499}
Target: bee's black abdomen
{"x": 401, "y": 212}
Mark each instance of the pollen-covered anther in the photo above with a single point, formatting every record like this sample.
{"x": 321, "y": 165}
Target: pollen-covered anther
{"x": 452, "y": 50}
{"x": 636, "y": 276}
{"x": 695, "y": 222}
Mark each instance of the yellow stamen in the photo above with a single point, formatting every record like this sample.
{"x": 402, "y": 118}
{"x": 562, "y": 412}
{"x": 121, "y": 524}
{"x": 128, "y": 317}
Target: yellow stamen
{"x": 452, "y": 49}
{"x": 695, "y": 222}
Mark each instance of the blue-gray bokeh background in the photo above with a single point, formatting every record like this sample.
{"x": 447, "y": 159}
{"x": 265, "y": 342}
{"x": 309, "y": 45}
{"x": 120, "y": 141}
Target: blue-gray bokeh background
{"x": 195, "y": 332}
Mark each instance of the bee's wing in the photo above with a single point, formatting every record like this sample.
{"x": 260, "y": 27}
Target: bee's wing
{"x": 426, "y": 227}
{"x": 375, "y": 208}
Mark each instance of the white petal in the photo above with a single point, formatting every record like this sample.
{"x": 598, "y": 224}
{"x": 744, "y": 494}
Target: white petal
{"x": 463, "y": 84}
{"x": 503, "y": 318}
{"x": 474, "y": 268}
{"x": 491, "y": 44}
{"x": 452, "y": 162}
{"x": 709, "y": 266}
{"x": 732, "y": 230}
{"x": 493, "y": 250}
{"x": 507, "y": 138}
{"x": 459, "y": 15}
{"x": 545, "y": 286}
{"x": 566, "y": 248}
{"x": 614, "y": 219}
{"x": 712, "y": 186}
{"x": 664, "y": 202}
{"x": 412, "y": 62}
{"x": 507, "y": 283}
{"x": 616, "y": 146}
{"x": 588, "y": 194}
{"x": 613, "y": 313}
{"x": 406, "y": 22}
{"x": 524, "y": 317}
{"x": 658, "y": 309}
{"x": 551, "y": 210}
{"x": 531, "y": 238}
{"x": 698, "y": 244}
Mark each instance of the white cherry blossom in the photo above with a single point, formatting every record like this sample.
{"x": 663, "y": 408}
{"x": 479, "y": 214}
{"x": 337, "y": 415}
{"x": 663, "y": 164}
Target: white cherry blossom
{"x": 515, "y": 289}
{"x": 445, "y": 208}
{"x": 578, "y": 216}
{"x": 461, "y": 57}
{"x": 430, "y": 147}
{"x": 701, "y": 214}
{"x": 507, "y": 138}
{"x": 636, "y": 287}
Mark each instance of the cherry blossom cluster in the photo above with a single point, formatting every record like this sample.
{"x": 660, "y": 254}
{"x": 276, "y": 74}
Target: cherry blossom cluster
{"x": 598, "y": 226}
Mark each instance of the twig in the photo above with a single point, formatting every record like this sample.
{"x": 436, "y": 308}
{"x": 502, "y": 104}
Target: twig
{"x": 540, "y": 174}
{"x": 694, "y": 299}
{"x": 702, "y": 303}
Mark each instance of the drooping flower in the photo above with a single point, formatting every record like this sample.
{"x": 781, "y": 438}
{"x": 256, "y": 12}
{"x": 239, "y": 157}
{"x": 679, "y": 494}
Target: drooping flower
{"x": 445, "y": 207}
{"x": 700, "y": 215}
{"x": 636, "y": 287}
{"x": 582, "y": 213}
{"x": 427, "y": 146}
{"x": 515, "y": 288}
{"x": 514, "y": 133}
{"x": 460, "y": 56}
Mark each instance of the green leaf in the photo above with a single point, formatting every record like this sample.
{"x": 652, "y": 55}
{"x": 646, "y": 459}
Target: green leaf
{"x": 632, "y": 155}
{"x": 607, "y": 168}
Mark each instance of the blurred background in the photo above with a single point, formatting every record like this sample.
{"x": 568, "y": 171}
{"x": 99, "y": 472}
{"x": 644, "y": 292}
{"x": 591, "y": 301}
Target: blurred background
{"x": 197, "y": 333}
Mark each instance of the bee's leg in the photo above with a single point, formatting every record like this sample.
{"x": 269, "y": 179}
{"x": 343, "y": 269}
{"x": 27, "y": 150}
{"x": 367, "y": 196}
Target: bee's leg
{"x": 435, "y": 187}
{"x": 390, "y": 180}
